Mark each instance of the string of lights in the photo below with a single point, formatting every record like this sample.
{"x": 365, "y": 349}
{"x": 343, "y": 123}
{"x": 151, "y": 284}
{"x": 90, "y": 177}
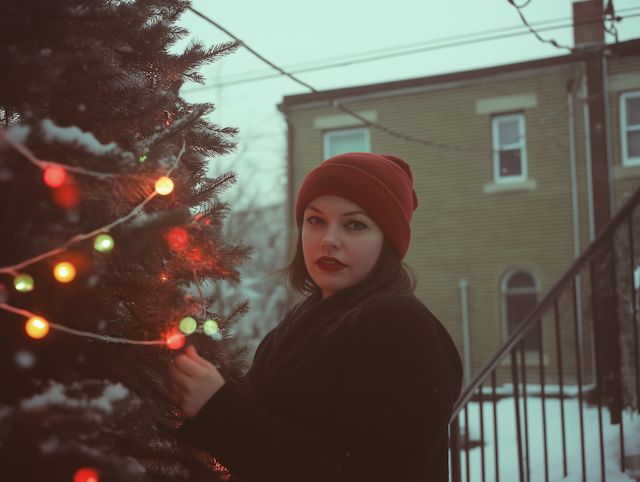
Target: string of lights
{"x": 38, "y": 327}
{"x": 44, "y": 165}
{"x": 163, "y": 186}
{"x": 364, "y": 57}
{"x": 56, "y": 171}
{"x": 348, "y": 111}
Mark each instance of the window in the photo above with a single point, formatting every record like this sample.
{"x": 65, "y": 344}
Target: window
{"x": 519, "y": 297}
{"x": 510, "y": 163}
{"x": 630, "y": 126}
{"x": 346, "y": 140}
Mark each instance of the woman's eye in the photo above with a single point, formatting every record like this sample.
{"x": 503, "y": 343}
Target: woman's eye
{"x": 314, "y": 220}
{"x": 357, "y": 225}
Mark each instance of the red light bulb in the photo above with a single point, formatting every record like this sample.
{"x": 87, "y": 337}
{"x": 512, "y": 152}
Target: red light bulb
{"x": 86, "y": 474}
{"x": 175, "y": 341}
{"x": 178, "y": 237}
{"x": 54, "y": 176}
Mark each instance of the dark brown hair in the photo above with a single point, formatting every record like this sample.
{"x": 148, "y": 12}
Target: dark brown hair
{"x": 389, "y": 276}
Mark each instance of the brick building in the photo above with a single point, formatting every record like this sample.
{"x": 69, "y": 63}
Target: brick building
{"x": 504, "y": 213}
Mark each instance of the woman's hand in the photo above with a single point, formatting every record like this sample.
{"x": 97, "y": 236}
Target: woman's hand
{"x": 195, "y": 380}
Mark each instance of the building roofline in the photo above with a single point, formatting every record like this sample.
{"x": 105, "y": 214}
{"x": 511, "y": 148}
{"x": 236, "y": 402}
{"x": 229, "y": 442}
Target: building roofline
{"x": 629, "y": 47}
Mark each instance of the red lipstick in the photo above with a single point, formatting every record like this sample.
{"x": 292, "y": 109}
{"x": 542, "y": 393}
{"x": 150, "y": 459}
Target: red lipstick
{"x": 326, "y": 263}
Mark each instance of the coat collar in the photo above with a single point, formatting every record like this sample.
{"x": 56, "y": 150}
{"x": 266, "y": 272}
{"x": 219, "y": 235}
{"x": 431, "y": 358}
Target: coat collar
{"x": 313, "y": 308}
{"x": 317, "y": 307}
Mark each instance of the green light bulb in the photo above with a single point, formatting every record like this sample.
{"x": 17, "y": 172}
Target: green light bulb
{"x": 210, "y": 327}
{"x": 103, "y": 243}
{"x": 188, "y": 325}
{"x": 23, "y": 282}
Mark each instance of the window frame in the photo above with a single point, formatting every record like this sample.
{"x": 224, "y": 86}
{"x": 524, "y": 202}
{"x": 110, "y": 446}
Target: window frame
{"x": 505, "y": 291}
{"x": 327, "y": 135}
{"x": 521, "y": 144}
{"x": 627, "y": 161}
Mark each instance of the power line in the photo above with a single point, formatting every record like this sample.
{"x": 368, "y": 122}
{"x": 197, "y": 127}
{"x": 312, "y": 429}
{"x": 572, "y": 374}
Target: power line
{"x": 541, "y": 122}
{"x": 250, "y": 49}
{"x": 609, "y": 14}
{"x": 552, "y": 42}
{"x": 522, "y": 6}
{"x": 339, "y": 106}
{"x": 468, "y": 40}
{"x": 358, "y": 57}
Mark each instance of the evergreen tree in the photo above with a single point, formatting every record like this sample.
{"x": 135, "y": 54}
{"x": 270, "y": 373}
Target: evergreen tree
{"x": 91, "y": 86}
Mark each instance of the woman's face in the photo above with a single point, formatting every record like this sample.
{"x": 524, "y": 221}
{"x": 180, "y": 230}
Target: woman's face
{"x": 340, "y": 242}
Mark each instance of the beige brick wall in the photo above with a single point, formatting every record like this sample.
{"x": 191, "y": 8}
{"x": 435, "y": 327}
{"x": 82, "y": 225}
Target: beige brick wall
{"x": 459, "y": 232}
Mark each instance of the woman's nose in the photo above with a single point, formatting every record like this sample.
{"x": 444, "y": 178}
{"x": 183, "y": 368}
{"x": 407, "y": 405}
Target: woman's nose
{"x": 331, "y": 238}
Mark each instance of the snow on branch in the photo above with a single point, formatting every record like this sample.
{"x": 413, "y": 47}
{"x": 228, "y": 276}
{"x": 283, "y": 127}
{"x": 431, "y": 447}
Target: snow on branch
{"x": 56, "y": 394}
{"x": 84, "y": 140}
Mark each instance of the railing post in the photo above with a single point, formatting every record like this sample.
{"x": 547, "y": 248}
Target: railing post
{"x": 632, "y": 267}
{"x": 454, "y": 445}
{"x": 516, "y": 389}
{"x": 495, "y": 424}
{"x": 607, "y": 330}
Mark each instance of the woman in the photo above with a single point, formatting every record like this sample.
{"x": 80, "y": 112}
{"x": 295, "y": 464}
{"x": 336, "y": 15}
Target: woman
{"x": 357, "y": 383}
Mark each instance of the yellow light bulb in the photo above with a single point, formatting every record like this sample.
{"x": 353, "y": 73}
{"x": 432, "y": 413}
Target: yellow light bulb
{"x": 37, "y": 327}
{"x": 64, "y": 272}
{"x": 164, "y": 186}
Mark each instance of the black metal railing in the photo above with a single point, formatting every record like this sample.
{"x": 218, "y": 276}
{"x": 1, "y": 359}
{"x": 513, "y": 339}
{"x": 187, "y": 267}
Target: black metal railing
{"x": 532, "y": 415}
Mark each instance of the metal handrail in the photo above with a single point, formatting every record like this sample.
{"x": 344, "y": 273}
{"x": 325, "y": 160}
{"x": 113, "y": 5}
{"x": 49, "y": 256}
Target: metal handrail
{"x": 547, "y": 301}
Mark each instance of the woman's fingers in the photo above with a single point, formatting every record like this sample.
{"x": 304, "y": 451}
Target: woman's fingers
{"x": 178, "y": 377}
{"x": 177, "y": 387}
{"x": 195, "y": 380}
{"x": 192, "y": 352}
{"x": 186, "y": 365}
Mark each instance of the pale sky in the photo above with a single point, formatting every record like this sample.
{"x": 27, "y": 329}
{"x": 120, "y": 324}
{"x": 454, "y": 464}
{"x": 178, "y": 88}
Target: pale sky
{"x": 294, "y": 34}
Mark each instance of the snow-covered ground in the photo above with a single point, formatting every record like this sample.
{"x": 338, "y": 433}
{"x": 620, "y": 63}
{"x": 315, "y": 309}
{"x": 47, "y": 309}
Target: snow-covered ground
{"x": 508, "y": 446}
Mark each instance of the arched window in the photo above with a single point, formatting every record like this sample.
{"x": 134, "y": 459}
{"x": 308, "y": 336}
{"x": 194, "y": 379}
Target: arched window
{"x": 519, "y": 296}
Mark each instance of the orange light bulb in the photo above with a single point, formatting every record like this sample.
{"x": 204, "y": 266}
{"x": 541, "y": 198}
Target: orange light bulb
{"x": 37, "y": 327}
{"x": 54, "y": 176}
{"x": 64, "y": 272}
{"x": 164, "y": 186}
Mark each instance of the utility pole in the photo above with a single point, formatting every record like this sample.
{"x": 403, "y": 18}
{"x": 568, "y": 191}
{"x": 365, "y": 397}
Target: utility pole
{"x": 589, "y": 38}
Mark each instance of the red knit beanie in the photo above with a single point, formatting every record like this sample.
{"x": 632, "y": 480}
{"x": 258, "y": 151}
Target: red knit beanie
{"x": 381, "y": 185}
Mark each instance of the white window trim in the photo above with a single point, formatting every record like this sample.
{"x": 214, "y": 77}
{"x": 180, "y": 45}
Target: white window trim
{"x": 627, "y": 161}
{"x": 521, "y": 144}
{"x": 329, "y": 134}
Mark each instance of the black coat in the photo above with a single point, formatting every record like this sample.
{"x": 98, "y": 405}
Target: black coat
{"x": 369, "y": 402}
